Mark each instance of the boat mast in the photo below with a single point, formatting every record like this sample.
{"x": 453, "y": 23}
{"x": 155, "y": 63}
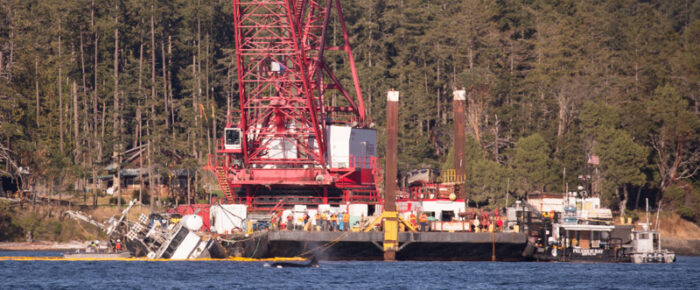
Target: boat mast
{"x": 647, "y": 211}
{"x": 658, "y": 227}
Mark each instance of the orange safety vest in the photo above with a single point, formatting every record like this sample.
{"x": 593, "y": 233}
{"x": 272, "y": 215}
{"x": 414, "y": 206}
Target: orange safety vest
{"x": 423, "y": 218}
{"x": 324, "y": 217}
{"x": 413, "y": 218}
{"x": 318, "y": 217}
{"x": 346, "y": 218}
{"x": 334, "y": 218}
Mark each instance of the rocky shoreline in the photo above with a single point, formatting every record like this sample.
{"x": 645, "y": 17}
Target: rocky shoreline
{"x": 682, "y": 247}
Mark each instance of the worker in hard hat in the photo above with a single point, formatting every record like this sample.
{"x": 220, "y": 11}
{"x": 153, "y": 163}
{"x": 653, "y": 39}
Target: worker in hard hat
{"x": 307, "y": 224}
{"x": 300, "y": 223}
{"x": 346, "y": 221}
{"x": 341, "y": 226}
{"x": 423, "y": 222}
{"x": 334, "y": 222}
{"x": 324, "y": 221}
{"x": 290, "y": 222}
{"x": 273, "y": 222}
{"x": 91, "y": 248}
{"x": 317, "y": 219}
{"x": 118, "y": 246}
{"x": 412, "y": 219}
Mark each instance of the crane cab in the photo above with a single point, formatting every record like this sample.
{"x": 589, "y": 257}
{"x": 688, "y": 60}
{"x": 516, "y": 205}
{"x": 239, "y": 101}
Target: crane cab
{"x": 232, "y": 140}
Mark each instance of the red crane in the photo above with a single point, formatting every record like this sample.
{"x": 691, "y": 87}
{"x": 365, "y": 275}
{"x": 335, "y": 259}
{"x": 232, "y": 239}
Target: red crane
{"x": 289, "y": 145}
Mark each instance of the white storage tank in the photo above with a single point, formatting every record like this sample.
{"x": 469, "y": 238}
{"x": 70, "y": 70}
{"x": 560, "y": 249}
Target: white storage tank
{"x": 192, "y": 222}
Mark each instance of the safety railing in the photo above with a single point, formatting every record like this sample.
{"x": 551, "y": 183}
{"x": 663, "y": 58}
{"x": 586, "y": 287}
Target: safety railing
{"x": 220, "y": 147}
{"x": 410, "y": 193}
{"x": 275, "y": 204}
{"x": 366, "y": 162}
{"x": 425, "y": 191}
{"x": 215, "y": 160}
{"x": 450, "y": 175}
{"x": 362, "y": 195}
{"x": 272, "y": 203}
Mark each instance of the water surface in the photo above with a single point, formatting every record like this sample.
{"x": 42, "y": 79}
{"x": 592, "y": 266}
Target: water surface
{"x": 684, "y": 274}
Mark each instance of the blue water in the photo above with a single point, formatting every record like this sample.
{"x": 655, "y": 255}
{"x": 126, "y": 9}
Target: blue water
{"x": 684, "y": 274}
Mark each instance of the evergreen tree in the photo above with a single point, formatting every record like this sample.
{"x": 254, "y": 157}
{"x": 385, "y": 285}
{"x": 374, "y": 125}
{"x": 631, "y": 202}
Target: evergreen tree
{"x": 622, "y": 161}
{"x": 532, "y": 164}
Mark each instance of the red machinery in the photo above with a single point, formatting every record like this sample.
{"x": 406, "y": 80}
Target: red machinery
{"x": 290, "y": 146}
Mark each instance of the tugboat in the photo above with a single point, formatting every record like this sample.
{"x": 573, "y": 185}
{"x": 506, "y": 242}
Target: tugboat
{"x": 576, "y": 229}
{"x": 646, "y": 247}
{"x": 646, "y": 244}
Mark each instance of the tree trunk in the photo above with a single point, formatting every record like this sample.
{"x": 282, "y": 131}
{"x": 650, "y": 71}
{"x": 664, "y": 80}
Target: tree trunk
{"x": 636, "y": 202}
{"x": 427, "y": 93}
{"x": 115, "y": 113}
{"x": 194, "y": 108}
{"x": 36, "y": 86}
{"x": 95, "y": 111}
{"x": 437, "y": 95}
{"x": 152, "y": 116}
{"x": 160, "y": 201}
{"x": 206, "y": 91}
{"x": 623, "y": 199}
{"x": 198, "y": 78}
{"x": 140, "y": 146}
{"x": 153, "y": 66}
{"x": 94, "y": 107}
{"x": 563, "y": 115}
{"x": 170, "y": 85}
{"x": 75, "y": 122}
{"x": 102, "y": 133}
{"x": 60, "y": 87}
{"x": 82, "y": 65}
{"x": 139, "y": 118}
{"x": 165, "y": 89}
{"x": 150, "y": 170}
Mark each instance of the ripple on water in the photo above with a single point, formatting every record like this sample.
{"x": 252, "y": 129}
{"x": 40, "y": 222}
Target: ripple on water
{"x": 344, "y": 275}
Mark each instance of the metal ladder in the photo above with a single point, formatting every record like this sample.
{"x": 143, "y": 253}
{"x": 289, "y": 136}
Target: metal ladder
{"x": 221, "y": 177}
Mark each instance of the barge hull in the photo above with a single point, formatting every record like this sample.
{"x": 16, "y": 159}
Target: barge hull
{"x": 425, "y": 246}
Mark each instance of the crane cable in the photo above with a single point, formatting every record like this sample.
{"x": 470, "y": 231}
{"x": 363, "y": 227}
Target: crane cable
{"x": 325, "y": 246}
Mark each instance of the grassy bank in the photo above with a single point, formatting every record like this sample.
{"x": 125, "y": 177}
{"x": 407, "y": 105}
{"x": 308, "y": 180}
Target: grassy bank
{"x": 40, "y": 222}
{"x": 49, "y": 223}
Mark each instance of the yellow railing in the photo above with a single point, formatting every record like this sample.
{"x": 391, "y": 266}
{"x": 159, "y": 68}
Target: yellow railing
{"x": 450, "y": 176}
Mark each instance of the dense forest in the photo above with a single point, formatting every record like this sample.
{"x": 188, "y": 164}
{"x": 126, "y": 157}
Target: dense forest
{"x": 551, "y": 85}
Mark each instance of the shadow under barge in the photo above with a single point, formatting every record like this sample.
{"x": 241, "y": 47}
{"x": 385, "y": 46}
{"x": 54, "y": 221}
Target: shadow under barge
{"x": 419, "y": 246}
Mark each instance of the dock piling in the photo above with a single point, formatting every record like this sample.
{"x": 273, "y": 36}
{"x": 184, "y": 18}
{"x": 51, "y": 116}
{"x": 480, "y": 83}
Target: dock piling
{"x": 390, "y": 215}
{"x": 459, "y": 98}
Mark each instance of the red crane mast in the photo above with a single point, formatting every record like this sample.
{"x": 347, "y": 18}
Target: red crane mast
{"x": 278, "y": 153}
